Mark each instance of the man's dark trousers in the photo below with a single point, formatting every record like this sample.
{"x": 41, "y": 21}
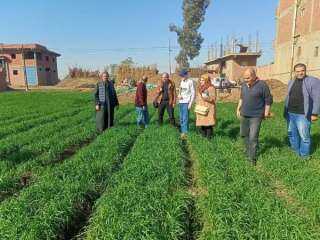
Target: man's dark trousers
{"x": 102, "y": 118}
{"x": 249, "y": 131}
{"x": 165, "y": 105}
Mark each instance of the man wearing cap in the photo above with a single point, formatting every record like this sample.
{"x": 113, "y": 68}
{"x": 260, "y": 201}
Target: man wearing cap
{"x": 166, "y": 98}
{"x": 186, "y": 98}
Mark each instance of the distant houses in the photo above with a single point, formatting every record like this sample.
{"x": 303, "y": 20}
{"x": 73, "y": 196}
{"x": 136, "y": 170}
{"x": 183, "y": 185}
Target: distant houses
{"x": 27, "y": 64}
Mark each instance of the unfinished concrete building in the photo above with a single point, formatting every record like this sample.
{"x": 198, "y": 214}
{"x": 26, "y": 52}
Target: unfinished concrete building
{"x": 297, "y": 37}
{"x": 28, "y": 64}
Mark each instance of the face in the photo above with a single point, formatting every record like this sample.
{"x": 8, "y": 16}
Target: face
{"x": 249, "y": 77}
{"x": 105, "y": 76}
{"x": 165, "y": 77}
{"x": 202, "y": 81}
{"x": 300, "y": 72}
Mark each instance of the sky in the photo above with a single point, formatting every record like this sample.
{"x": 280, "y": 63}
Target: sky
{"x": 95, "y": 33}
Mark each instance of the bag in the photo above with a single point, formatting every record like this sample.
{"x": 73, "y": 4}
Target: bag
{"x": 201, "y": 110}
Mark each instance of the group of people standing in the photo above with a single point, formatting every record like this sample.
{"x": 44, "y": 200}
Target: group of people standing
{"x": 302, "y": 106}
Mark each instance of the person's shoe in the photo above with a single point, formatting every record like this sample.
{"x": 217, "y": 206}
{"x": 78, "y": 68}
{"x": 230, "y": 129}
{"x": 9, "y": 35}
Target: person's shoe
{"x": 183, "y": 136}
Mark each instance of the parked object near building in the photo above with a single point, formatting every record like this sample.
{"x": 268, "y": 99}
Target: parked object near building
{"x": 3, "y": 83}
{"x": 28, "y": 65}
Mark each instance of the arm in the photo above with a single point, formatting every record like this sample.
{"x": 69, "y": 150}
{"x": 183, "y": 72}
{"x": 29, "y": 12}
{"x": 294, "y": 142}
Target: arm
{"x": 192, "y": 95}
{"x": 268, "y": 100}
{"x": 239, "y": 108}
{"x": 315, "y": 92}
{"x": 96, "y": 97}
{"x": 239, "y": 104}
{"x": 116, "y": 101}
{"x": 174, "y": 94}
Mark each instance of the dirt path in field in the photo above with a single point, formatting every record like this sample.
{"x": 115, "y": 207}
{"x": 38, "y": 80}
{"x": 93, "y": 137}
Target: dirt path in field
{"x": 192, "y": 224}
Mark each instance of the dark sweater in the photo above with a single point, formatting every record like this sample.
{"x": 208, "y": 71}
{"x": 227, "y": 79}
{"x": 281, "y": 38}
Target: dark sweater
{"x": 255, "y": 98}
{"x": 296, "y": 99}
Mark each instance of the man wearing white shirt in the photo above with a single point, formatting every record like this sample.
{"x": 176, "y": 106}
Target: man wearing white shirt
{"x": 186, "y": 98}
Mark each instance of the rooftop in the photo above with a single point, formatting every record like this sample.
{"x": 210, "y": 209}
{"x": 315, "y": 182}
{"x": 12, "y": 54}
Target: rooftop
{"x": 232, "y": 56}
{"x": 28, "y": 47}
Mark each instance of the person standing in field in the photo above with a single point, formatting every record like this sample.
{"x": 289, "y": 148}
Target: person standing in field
{"x": 206, "y": 103}
{"x": 302, "y": 106}
{"x": 141, "y": 103}
{"x": 106, "y": 101}
{"x": 186, "y": 98}
{"x": 166, "y": 98}
{"x": 254, "y": 106}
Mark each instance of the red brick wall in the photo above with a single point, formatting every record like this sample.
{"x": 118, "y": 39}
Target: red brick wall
{"x": 285, "y": 28}
{"x": 304, "y": 20}
{"x": 316, "y": 16}
{"x": 265, "y": 72}
{"x": 285, "y": 4}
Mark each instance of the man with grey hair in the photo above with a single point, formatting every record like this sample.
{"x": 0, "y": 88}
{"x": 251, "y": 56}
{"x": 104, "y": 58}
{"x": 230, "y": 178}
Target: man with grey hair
{"x": 106, "y": 100}
{"x": 254, "y": 105}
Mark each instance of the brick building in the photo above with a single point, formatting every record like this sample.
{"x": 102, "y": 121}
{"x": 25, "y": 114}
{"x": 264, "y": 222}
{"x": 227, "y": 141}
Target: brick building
{"x": 297, "y": 37}
{"x": 233, "y": 65}
{"x": 28, "y": 62}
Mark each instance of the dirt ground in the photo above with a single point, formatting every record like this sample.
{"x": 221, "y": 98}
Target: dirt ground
{"x": 278, "y": 90}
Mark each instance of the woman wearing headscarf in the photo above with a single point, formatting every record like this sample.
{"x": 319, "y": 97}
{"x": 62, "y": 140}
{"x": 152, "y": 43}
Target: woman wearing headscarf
{"x": 206, "y": 106}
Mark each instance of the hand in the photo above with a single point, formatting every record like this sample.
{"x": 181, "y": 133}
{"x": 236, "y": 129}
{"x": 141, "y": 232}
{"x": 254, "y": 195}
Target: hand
{"x": 143, "y": 108}
{"x": 314, "y": 118}
{"x": 238, "y": 114}
{"x": 97, "y": 108}
{"x": 268, "y": 115}
{"x": 189, "y": 106}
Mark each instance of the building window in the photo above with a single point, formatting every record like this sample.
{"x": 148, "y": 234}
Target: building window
{"x": 15, "y": 72}
{"x": 13, "y": 56}
{"x": 47, "y": 69}
{"x": 29, "y": 55}
{"x": 39, "y": 56}
{"x": 47, "y": 58}
{"x": 40, "y": 69}
{"x": 53, "y": 59}
{"x": 299, "y": 52}
{"x": 316, "y": 52}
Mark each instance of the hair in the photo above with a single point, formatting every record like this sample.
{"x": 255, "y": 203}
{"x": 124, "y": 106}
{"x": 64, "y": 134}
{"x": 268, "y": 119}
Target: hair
{"x": 300, "y": 65}
{"x": 101, "y": 73}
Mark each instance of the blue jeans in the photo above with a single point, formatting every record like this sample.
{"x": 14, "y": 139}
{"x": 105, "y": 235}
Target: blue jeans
{"x": 184, "y": 117}
{"x": 299, "y": 134}
{"x": 142, "y": 116}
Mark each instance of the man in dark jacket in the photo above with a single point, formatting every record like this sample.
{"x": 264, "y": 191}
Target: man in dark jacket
{"x": 254, "y": 106}
{"x": 302, "y": 106}
{"x": 141, "y": 103}
{"x": 166, "y": 98}
{"x": 106, "y": 100}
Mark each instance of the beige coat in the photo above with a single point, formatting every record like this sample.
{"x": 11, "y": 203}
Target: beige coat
{"x": 210, "y": 119}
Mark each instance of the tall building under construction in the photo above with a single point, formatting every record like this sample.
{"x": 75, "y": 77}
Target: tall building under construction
{"x": 297, "y": 37}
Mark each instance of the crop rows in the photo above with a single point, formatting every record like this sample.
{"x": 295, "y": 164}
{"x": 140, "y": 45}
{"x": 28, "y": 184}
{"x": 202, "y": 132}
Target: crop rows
{"x": 49, "y": 206}
{"x": 147, "y": 199}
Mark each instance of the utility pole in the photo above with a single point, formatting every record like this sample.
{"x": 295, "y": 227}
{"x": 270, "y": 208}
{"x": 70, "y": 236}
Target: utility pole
{"x": 294, "y": 36}
{"x": 24, "y": 69}
{"x": 170, "y": 50}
